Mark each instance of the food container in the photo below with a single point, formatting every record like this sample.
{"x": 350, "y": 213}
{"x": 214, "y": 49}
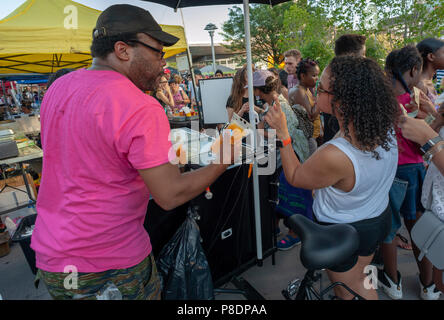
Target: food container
{"x": 179, "y": 118}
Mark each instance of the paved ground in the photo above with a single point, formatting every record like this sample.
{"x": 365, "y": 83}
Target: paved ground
{"x": 16, "y": 278}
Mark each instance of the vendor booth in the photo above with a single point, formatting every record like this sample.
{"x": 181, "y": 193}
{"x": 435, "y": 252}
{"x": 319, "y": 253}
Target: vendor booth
{"x": 43, "y": 36}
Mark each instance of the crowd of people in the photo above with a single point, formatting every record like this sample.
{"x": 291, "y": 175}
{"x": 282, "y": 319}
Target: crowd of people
{"x": 349, "y": 136}
{"x": 176, "y": 91}
{"x": 343, "y": 167}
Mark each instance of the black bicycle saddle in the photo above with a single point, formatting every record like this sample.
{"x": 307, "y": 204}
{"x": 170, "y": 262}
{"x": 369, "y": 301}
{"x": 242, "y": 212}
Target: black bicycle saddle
{"x": 323, "y": 247}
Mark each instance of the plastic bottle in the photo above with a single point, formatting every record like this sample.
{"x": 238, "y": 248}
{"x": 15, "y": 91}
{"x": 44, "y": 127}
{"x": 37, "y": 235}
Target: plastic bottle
{"x": 10, "y": 226}
{"x": 109, "y": 292}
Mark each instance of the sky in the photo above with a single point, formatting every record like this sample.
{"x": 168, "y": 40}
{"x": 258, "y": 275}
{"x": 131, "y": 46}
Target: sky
{"x": 196, "y": 18}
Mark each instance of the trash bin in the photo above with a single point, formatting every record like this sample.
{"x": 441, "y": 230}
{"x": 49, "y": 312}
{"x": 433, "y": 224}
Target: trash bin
{"x": 4, "y": 241}
{"x": 23, "y": 236}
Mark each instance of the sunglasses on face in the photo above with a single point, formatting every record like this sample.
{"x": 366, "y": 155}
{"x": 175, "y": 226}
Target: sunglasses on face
{"x": 162, "y": 53}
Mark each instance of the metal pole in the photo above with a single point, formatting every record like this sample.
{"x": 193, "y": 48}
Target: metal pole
{"x": 190, "y": 65}
{"x": 212, "y": 52}
{"x": 257, "y": 209}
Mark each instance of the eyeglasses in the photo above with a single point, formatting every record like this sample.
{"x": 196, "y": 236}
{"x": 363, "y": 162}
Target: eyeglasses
{"x": 320, "y": 90}
{"x": 162, "y": 53}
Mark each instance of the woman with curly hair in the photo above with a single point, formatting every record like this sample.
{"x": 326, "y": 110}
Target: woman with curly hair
{"x": 351, "y": 174}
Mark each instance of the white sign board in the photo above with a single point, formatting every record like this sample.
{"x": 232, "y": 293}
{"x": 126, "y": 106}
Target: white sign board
{"x": 214, "y": 94}
{"x": 182, "y": 63}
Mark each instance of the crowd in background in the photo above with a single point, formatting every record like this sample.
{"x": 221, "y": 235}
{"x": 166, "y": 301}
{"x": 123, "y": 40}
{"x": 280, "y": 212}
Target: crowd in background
{"x": 299, "y": 91}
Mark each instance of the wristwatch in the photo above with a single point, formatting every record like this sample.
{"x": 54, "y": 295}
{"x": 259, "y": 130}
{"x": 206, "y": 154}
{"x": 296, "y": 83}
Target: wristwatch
{"x": 429, "y": 144}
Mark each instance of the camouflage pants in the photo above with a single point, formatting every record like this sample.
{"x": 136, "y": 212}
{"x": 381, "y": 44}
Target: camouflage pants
{"x": 140, "y": 282}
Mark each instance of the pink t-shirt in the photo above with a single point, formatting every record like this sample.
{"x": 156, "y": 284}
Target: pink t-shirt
{"x": 408, "y": 151}
{"x": 97, "y": 130}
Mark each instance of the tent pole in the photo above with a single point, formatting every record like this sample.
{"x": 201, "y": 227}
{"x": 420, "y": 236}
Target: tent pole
{"x": 190, "y": 65}
{"x": 257, "y": 209}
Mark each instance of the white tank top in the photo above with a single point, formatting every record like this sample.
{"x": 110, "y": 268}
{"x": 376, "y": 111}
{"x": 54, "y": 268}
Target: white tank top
{"x": 369, "y": 196}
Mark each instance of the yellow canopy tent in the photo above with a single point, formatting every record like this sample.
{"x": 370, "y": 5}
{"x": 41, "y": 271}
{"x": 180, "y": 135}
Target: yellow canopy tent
{"x": 42, "y": 36}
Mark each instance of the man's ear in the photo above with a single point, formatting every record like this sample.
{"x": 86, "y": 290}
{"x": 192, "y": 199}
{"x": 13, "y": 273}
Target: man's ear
{"x": 122, "y": 50}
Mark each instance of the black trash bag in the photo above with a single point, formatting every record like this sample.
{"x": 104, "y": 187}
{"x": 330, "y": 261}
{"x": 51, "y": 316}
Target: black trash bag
{"x": 183, "y": 266}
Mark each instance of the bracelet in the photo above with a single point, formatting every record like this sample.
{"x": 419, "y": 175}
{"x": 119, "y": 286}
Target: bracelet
{"x": 434, "y": 150}
{"x": 286, "y": 142}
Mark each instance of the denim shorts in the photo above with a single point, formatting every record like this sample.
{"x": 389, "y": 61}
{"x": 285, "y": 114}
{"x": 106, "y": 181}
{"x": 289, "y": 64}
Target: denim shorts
{"x": 396, "y": 198}
{"x": 414, "y": 174}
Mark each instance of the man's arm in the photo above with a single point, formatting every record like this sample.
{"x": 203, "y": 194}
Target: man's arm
{"x": 170, "y": 188}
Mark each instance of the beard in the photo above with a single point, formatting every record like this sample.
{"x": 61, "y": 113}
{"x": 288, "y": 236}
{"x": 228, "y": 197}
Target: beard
{"x": 145, "y": 74}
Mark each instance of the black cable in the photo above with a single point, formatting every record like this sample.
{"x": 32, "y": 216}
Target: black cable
{"x": 238, "y": 240}
{"x": 217, "y": 229}
{"x": 228, "y": 193}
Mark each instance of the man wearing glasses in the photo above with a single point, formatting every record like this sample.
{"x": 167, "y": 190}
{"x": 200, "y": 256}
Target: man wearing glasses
{"x": 106, "y": 151}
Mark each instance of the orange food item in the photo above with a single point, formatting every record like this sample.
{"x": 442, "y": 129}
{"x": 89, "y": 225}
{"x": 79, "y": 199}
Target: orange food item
{"x": 236, "y": 135}
{"x": 234, "y": 126}
{"x": 181, "y": 154}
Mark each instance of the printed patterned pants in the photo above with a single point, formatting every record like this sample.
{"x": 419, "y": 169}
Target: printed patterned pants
{"x": 140, "y": 282}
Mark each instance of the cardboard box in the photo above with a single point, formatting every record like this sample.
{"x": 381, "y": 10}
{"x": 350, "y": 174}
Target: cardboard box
{"x": 11, "y": 198}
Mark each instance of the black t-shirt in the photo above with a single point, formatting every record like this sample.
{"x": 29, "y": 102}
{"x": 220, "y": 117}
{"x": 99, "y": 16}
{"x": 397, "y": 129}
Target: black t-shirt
{"x": 245, "y": 116}
{"x": 283, "y": 75}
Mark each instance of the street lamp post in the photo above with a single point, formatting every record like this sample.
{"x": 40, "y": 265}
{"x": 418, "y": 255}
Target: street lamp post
{"x": 211, "y": 28}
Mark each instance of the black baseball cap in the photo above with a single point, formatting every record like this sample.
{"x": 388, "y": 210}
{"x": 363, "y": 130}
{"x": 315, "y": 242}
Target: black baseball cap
{"x": 125, "y": 18}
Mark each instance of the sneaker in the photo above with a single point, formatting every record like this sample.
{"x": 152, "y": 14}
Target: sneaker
{"x": 288, "y": 242}
{"x": 429, "y": 292}
{"x": 393, "y": 290}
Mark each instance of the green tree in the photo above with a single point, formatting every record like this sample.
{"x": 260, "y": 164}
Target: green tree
{"x": 317, "y": 50}
{"x": 400, "y": 21}
{"x": 376, "y": 50}
{"x": 308, "y": 29}
{"x": 266, "y": 26}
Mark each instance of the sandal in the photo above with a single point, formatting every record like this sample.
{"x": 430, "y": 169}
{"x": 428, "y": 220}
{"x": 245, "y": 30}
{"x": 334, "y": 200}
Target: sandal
{"x": 404, "y": 243}
{"x": 288, "y": 242}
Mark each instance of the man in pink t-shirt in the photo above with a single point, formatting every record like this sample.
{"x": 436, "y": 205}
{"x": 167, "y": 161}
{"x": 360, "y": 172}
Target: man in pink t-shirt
{"x": 106, "y": 151}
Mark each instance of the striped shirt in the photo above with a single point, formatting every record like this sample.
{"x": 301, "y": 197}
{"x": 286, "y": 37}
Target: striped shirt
{"x": 439, "y": 76}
